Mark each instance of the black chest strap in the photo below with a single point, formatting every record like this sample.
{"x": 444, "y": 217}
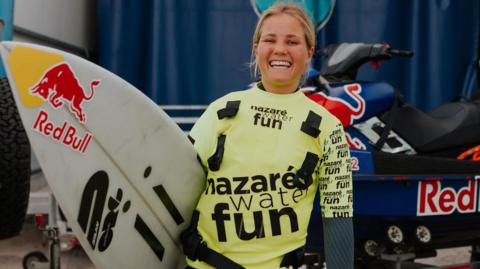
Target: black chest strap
{"x": 303, "y": 177}
{"x": 311, "y": 125}
{"x": 195, "y": 249}
{"x": 229, "y": 111}
{"x": 216, "y": 159}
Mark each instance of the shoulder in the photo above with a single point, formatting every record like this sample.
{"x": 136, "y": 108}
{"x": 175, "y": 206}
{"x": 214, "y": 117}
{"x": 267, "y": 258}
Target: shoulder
{"x": 232, "y": 96}
{"x": 327, "y": 117}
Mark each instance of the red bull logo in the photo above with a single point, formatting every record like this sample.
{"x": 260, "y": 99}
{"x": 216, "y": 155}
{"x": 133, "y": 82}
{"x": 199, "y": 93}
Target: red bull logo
{"x": 343, "y": 110}
{"x": 354, "y": 142}
{"x": 433, "y": 199}
{"x": 59, "y": 84}
{"x": 340, "y": 108}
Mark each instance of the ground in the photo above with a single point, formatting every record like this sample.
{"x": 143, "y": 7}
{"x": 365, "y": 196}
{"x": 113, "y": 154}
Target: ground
{"x": 13, "y": 250}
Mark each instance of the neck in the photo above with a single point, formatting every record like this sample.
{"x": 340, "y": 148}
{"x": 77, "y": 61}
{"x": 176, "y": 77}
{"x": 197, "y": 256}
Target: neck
{"x": 278, "y": 88}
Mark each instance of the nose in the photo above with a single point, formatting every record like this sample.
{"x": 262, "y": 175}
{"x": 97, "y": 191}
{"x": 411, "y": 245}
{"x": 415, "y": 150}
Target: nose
{"x": 280, "y": 48}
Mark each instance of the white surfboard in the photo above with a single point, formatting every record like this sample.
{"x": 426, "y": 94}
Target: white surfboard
{"x": 123, "y": 172}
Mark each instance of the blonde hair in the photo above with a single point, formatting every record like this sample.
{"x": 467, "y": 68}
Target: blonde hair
{"x": 291, "y": 9}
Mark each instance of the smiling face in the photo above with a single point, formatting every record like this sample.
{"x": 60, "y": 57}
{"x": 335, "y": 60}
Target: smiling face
{"x": 282, "y": 53}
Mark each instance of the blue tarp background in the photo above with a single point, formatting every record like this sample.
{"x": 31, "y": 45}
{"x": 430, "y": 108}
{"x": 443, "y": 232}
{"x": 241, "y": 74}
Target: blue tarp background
{"x": 443, "y": 34}
{"x": 191, "y": 52}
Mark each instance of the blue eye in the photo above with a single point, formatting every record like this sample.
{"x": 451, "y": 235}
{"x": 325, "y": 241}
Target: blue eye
{"x": 292, "y": 42}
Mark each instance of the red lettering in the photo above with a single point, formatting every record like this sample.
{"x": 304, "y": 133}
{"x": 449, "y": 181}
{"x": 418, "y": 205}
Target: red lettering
{"x": 42, "y": 117}
{"x": 58, "y": 132}
{"x": 55, "y": 132}
{"x": 446, "y": 202}
{"x": 428, "y": 190}
{"x": 86, "y": 142}
{"x": 467, "y": 196}
{"x": 48, "y": 128}
{"x": 76, "y": 142}
{"x": 69, "y": 136}
{"x": 433, "y": 200}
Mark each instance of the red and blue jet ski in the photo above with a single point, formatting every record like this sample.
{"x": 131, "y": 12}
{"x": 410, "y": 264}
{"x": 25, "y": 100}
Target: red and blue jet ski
{"x": 416, "y": 174}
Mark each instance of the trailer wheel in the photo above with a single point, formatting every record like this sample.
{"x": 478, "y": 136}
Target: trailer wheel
{"x": 31, "y": 260}
{"x": 14, "y": 165}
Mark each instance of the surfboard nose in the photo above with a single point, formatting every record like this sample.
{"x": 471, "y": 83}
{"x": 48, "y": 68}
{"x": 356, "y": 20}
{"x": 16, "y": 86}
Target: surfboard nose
{"x": 3, "y": 50}
{"x": 6, "y": 46}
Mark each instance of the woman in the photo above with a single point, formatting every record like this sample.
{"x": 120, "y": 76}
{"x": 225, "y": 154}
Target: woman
{"x": 266, "y": 151}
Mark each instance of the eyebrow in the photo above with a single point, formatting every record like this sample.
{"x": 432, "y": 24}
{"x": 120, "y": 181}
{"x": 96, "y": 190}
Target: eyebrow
{"x": 271, "y": 35}
{"x": 274, "y": 35}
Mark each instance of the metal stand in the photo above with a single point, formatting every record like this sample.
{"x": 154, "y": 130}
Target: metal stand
{"x": 36, "y": 259}
{"x": 55, "y": 234}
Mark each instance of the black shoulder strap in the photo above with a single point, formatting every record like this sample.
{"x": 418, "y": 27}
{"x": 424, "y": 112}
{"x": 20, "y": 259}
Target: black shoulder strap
{"x": 216, "y": 159}
{"x": 195, "y": 249}
{"x": 311, "y": 125}
{"x": 229, "y": 110}
{"x": 303, "y": 178}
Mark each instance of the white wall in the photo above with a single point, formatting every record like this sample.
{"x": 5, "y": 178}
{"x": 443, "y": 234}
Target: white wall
{"x": 69, "y": 21}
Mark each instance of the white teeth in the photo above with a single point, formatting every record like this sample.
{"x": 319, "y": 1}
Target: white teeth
{"x": 280, "y": 64}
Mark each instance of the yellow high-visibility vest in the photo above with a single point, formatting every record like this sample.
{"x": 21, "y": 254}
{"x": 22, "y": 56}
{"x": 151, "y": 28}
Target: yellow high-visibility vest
{"x": 251, "y": 209}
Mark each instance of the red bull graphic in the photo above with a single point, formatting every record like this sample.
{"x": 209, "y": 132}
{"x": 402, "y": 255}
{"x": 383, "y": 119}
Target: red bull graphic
{"x": 59, "y": 84}
{"x": 65, "y": 133}
{"x": 340, "y": 108}
{"x": 433, "y": 199}
{"x": 355, "y": 142}
{"x": 344, "y": 111}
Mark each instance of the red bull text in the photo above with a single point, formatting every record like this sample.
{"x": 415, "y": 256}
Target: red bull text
{"x": 59, "y": 84}
{"x": 433, "y": 199}
{"x": 64, "y": 133}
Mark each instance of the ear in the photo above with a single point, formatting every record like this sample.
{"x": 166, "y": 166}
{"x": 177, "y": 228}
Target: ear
{"x": 255, "y": 49}
{"x": 310, "y": 53}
